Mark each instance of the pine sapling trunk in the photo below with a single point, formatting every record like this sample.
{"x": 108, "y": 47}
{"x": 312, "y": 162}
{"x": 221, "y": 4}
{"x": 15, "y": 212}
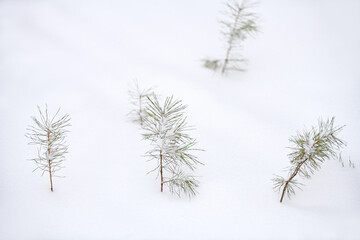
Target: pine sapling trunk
{"x": 161, "y": 172}
{"x": 291, "y": 177}
{"x": 230, "y": 42}
{"x": 51, "y": 184}
{"x": 226, "y": 60}
{"x": 295, "y": 173}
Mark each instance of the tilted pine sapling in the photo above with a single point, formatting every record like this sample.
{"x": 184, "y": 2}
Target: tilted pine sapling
{"x": 48, "y": 134}
{"x": 240, "y": 23}
{"x": 309, "y": 150}
{"x": 172, "y": 147}
{"x": 139, "y": 100}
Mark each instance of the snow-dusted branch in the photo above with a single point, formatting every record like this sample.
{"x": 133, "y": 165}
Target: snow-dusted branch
{"x": 240, "y": 23}
{"x": 309, "y": 150}
{"x": 138, "y": 98}
{"x": 49, "y": 136}
{"x": 166, "y": 128}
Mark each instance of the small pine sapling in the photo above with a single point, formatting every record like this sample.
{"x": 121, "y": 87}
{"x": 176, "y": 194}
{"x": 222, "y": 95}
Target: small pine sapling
{"x": 139, "y": 100}
{"x": 351, "y": 164}
{"x": 49, "y": 133}
{"x": 240, "y": 23}
{"x": 166, "y": 128}
{"x": 309, "y": 150}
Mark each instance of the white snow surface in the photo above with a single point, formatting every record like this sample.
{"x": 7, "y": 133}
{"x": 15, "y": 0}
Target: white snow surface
{"x": 81, "y": 55}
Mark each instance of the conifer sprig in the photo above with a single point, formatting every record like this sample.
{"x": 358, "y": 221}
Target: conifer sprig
{"x": 172, "y": 147}
{"x": 49, "y": 135}
{"x": 309, "y": 150}
{"x": 139, "y": 100}
{"x": 239, "y": 23}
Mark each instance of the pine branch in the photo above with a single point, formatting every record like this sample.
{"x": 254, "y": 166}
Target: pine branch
{"x": 239, "y": 24}
{"x": 309, "y": 150}
{"x": 49, "y": 135}
{"x": 166, "y": 128}
{"x": 138, "y": 98}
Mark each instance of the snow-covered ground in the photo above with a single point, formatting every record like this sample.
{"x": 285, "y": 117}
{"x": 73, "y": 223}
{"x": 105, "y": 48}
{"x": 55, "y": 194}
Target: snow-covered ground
{"x": 82, "y": 55}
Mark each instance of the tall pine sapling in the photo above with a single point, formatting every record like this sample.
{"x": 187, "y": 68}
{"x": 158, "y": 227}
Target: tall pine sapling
{"x": 166, "y": 128}
{"x": 309, "y": 150}
{"x": 139, "y": 100}
{"x": 238, "y": 25}
{"x": 49, "y": 133}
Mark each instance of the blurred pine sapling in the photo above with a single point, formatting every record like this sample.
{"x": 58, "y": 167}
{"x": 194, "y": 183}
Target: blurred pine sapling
{"x": 351, "y": 164}
{"x": 309, "y": 150}
{"x": 48, "y": 134}
{"x": 171, "y": 146}
{"x": 239, "y": 23}
{"x": 139, "y": 100}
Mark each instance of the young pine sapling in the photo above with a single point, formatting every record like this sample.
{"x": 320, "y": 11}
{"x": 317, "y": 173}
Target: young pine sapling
{"x": 139, "y": 100}
{"x": 49, "y": 133}
{"x": 238, "y": 25}
{"x": 309, "y": 150}
{"x": 166, "y": 128}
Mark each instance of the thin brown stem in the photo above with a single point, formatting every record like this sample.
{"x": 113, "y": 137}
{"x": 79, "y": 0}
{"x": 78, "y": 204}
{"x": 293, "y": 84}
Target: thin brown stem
{"x": 291, "y": 177}
{"x": 230, "y": 42}
{"x": 48, "y": 136}
{"x": 295, "y": 173}
{"x": 168, "y": 181}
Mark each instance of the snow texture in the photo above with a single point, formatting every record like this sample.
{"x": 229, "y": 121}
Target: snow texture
{"x": 309, "y": 147}
{"x": 82, "y": 55}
